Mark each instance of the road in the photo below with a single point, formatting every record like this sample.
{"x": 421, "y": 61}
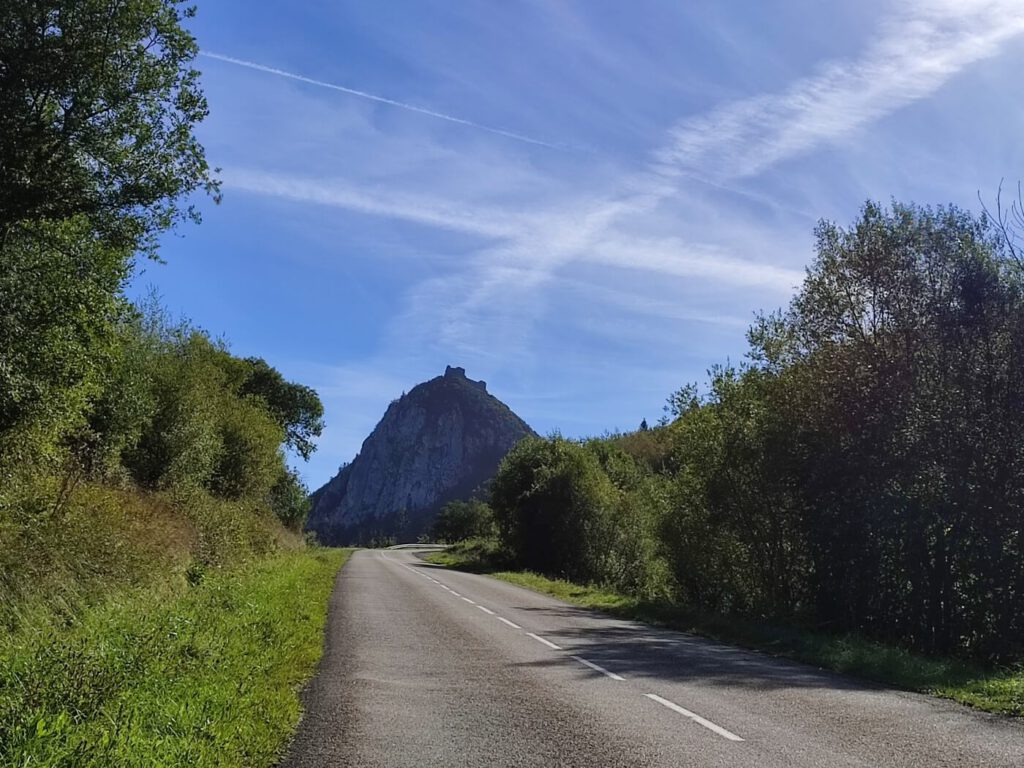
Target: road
{"x": 425, "y": 666}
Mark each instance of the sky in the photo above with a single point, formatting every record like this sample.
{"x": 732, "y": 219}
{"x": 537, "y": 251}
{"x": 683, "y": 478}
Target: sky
{"x": 583, "y": 202}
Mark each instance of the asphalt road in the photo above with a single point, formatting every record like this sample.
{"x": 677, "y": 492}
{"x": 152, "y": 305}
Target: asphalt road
{"x": 425, "y": 666}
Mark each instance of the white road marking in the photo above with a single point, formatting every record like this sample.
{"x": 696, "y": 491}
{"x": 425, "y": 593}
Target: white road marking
{"x": 695, "y": 717}
{"x": 596, "y": 668}
{"x": 511, "y": 624}
{"x": 488, "y": 611}
{"x": 467, "y": 600}
{"x": 548, "y": 643}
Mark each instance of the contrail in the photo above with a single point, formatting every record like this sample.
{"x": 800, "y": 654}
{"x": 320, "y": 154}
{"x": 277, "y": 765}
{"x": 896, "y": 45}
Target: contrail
{"x": 378, "y": 99}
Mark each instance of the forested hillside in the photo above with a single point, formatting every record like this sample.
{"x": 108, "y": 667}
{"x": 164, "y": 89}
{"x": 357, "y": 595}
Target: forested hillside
{"x": 143, "y": 472}
{"x": 98, "y": 158}
{"x": 862, "y": 470}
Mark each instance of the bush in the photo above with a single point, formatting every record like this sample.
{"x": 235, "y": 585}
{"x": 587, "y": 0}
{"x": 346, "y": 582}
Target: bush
{"x": 461, "y": 520}
{"x": 289, "y": 500}
{"x": 553, "y": 504}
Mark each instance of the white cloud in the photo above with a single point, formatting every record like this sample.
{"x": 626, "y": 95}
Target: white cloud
{"x": 916, "y": 54}
{"x": 496, "y": 294}
{"x": 474, "y": 220}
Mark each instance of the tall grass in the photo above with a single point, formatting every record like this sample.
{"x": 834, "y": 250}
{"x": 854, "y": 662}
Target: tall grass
{"x": 141, "y": 628}
{"x": 55, "y": 560}
{"x": 182, "y": 675}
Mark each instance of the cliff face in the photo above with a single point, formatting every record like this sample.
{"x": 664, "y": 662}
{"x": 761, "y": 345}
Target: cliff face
{"x": 440, "y": 442}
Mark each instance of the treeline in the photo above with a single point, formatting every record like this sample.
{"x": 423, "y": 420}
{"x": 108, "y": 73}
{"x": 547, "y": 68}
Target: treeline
{"x": 862, "y": 471}
{"x": 98, "y": 104}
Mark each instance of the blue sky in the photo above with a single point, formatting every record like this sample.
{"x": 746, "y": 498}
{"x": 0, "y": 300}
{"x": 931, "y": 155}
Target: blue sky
{"x": 582, "y": 202}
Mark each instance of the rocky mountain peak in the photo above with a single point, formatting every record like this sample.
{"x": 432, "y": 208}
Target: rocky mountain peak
{"x": 441, "y": 441}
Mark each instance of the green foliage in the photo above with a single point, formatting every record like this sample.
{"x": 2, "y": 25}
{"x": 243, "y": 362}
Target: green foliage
{"x": 585, "y": 512}
{"x": 139, "y": 459}
{"x": 59, "y": 304}
{"x": 249, "y": 462}
{"x": 105, "y": 539}
{"x": 296, "y": 408}
{"x": 864, "y": 472}
{"x": 207, "y": 428}
{"x": 474, "y": 555}
{"x": 123, "y": 407}
{"x": 553, "y": 503}
{"x": 734, "y": 539}
{"x": 652, "y": 447}
{"x": 906, "y": 347}
{"x": 461, "y": 520}
{"x": 861, "y": 473}
{"x": 203, "y": 675}
{"x": 289, "y": 500}
{"x": 98, "y": 102}
{"x": 181, "y": 445}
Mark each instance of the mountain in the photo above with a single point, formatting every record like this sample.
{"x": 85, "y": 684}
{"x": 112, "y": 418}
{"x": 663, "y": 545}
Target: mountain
{"x": 440, "y": 442}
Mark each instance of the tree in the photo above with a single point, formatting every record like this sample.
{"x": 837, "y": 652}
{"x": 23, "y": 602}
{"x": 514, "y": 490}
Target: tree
{"x": 554, "y": 505}
{"x": 461, "y": 520}
{"x": 289, "y": 499}
{"x": 98, "y": 101}
{"x": 297, "y": 408}
{"x": 59, "y": 307}
{"x": 906, "y": 349}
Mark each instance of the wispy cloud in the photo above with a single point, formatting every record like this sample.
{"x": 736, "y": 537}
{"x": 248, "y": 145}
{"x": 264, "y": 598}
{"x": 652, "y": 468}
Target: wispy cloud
{"x": 679, "y": 258}
{"x": 916, "y": 53}
{"x": 475, "y": 220}
{"x": 380, "y": 99}
{"x": 495, "y": 295}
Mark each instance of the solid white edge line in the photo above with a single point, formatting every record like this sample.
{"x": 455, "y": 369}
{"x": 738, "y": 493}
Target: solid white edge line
{"x": 596, "y": 668}
{"x": 488, "y": 611}
{"x": 548, "y": 643}
{"x": 695, "y": 717}
{"x": 510, "y": 623}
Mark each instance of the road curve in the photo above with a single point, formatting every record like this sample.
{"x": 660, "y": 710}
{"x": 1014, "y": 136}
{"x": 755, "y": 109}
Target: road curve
{"x": 425, "y": 666}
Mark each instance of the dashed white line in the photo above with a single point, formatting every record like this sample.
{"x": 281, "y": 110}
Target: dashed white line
{"x": 488, "y": 611}
{"x": 548, "y": 643}
{"x": 510, "y": 623}
{"x": 695, "y": 717}
{"x": 596, "y": 668}
{"x": 467, "y": 600}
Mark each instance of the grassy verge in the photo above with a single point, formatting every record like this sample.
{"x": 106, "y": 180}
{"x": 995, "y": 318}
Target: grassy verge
{"x": 200, "y": 675}
{"x": 992, "y": 690}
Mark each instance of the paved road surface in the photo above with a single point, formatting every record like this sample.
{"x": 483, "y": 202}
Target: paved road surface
{"x": 430, "y": 667}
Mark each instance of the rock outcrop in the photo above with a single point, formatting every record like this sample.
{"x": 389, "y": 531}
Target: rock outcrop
{"x": 442, "y": 441}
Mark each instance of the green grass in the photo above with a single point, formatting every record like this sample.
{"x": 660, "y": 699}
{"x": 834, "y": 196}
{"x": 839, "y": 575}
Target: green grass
{"x": 171, "y": 674}
{"x": 993, "y": 690}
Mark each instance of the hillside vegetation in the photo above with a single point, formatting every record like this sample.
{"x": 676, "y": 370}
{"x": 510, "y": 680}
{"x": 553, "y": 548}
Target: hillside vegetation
{"x": 860, "y": 474}
{"x": 158, "y": 605}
